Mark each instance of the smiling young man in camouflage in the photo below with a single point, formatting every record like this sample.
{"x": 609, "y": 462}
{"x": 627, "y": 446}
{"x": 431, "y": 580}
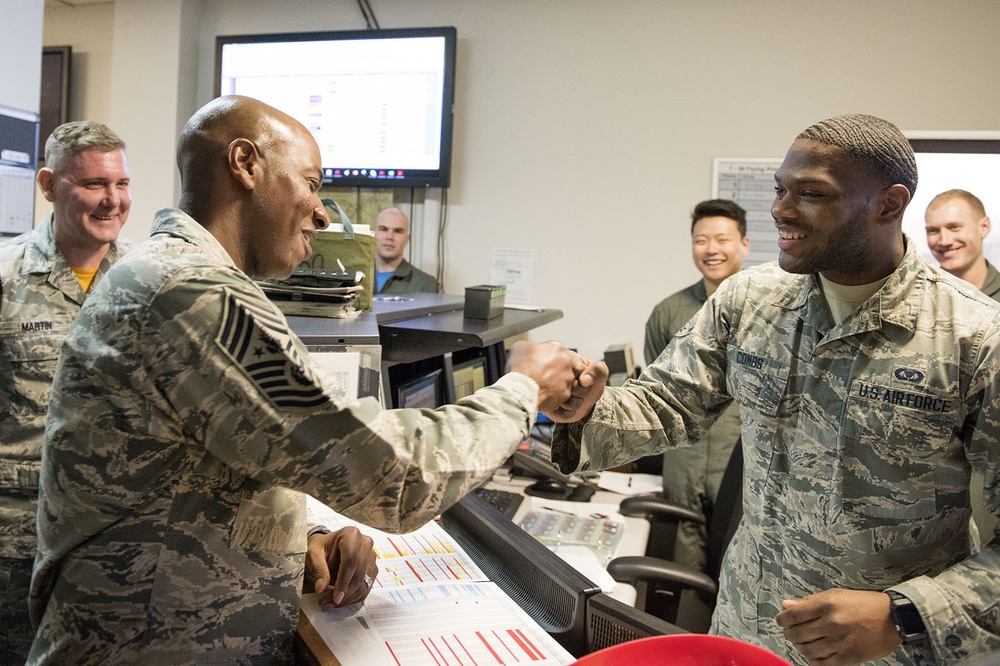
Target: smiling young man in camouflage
{"x": 868, "y": 388}
{"x": 186, "y": 417}
{"x": 45, "y": 276}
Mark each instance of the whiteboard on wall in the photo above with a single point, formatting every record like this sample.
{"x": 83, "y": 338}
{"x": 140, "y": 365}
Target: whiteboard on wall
{"x": 749, "y": 181}
{"x": 18, "y": 157}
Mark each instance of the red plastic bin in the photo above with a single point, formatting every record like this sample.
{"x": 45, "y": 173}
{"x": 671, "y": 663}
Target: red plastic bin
{"x": 683, "y": 650}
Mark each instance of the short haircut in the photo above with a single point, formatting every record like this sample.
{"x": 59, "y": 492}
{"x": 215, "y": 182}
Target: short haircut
{"x": 968, "y": 197}
{"x": 70, "y": 139}
{"x": 721, "y": 208}
{"x": 872, "y": 142}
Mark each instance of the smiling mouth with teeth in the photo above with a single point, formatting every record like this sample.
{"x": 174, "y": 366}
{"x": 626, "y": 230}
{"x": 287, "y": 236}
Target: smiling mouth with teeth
{"x": 785, "y": 234}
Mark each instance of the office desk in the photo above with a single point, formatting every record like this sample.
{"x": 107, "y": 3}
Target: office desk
{"x": 439, "y": 333}
{"x": 310, "y": 649}
{"x": 416, "y": 326}
{"x": 435, "y": 595}
{"x": 633, "y": 542}
{"x": 315, "y": 651}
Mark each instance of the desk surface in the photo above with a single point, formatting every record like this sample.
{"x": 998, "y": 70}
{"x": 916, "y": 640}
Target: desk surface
{"x": 633, "y": 541}
{"x": 443, "y": 332}
{"x": 318, "y": 332}
{"x": 412, "y": 327}
{"x": 314, "y": 651}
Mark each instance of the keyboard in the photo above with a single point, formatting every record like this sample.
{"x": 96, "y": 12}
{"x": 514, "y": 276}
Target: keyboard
{"x": 504, "y": 501}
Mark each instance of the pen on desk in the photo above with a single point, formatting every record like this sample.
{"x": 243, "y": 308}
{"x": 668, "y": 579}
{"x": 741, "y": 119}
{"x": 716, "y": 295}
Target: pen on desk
{"x": 549, "y": 508}
{"x": 630, "y": 482}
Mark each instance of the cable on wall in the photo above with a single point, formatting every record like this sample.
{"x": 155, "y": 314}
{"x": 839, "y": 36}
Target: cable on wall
{"x": 366, "y": 10}
{"x": 442, "y": 226}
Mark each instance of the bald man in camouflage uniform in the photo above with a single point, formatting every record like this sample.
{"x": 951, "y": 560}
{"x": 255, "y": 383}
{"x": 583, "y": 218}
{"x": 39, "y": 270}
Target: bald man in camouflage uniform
{"x": 868, "y": 388}
{"x": 186, "y": 418}
{"x": 45, "y": 276}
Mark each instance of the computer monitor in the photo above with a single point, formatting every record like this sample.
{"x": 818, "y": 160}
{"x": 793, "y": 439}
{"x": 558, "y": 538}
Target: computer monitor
{"x": 426, "y": 392}
{"x": 469, "y": 377}
{"x": 378, "y": 102}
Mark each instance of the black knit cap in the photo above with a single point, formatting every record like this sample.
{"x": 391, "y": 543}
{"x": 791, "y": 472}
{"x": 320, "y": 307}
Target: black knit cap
{"x": 874, "y": 142}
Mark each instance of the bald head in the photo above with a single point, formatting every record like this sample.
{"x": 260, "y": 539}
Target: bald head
{"x": 251, "y": 175}
{"x": 203, "y": 148}
{"x": 392, "y": 233}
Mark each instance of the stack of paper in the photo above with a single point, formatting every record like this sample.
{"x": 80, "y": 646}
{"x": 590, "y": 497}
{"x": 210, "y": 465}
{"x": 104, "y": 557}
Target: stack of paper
{"x": 430, "y": 604}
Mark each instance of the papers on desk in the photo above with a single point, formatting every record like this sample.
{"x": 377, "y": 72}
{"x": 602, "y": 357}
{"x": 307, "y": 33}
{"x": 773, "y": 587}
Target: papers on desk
{"x": 430, "y": 604}
{"x": 630, "y": 484}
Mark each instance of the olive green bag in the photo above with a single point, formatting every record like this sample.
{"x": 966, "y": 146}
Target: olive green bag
{"x": 345, "y": 250}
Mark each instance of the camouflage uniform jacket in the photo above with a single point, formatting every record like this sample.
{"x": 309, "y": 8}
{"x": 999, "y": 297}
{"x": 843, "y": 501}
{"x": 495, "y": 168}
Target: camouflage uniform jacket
{"x": 857, "y": 440}
{"x": 991, "y": 286}
{"x": 39, "y": 297}
{"x": 691, "y": 474}
{"x": 183, "y": 413}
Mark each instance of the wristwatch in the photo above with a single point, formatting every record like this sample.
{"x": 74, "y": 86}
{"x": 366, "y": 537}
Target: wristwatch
{"x": 906, "y": 617}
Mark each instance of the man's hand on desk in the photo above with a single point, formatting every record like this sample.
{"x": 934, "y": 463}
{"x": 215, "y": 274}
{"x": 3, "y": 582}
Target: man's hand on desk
{"x": 347, "y": 553}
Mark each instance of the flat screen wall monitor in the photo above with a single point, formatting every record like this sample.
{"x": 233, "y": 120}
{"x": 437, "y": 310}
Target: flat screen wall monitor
{"x": 378, "y": 102}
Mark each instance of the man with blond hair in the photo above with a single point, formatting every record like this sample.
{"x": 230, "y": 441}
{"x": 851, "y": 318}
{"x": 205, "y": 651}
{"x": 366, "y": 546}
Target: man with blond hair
{"x": 956, "y": 224}
{"x": 45, "y": 276}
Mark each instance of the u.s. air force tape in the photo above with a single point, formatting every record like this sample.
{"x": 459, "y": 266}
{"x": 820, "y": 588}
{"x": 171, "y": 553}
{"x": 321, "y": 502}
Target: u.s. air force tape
{"x": 260, "y": 344}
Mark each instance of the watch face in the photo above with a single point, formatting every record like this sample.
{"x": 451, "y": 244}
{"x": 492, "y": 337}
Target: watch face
{"x": 907, "y": 619}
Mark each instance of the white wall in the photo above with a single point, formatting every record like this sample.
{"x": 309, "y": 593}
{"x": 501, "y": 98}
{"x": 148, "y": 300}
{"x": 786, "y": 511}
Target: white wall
{"x": 21, "y": 53}
{"x": 585, "y": 129}
{"x": 89, "y": 31}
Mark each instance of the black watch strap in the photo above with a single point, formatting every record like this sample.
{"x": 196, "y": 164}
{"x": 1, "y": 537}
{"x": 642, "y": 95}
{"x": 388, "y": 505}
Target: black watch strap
{"x": 906, "y": 617}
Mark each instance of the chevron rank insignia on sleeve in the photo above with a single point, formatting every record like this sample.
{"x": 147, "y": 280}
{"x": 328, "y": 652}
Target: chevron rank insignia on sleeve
{"x": 258, "y": 341}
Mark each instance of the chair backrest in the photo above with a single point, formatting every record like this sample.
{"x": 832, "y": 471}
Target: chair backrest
{"x": 726, "y": 512}
{"x": 660, "y": 582}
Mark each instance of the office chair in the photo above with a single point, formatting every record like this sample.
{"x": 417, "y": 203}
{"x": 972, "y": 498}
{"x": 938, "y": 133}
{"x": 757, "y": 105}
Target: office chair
{"x": 660, "y": 582}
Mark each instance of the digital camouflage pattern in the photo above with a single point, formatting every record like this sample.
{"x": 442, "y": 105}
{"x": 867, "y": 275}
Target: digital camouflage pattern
{"x": 39, "y": 297}
{"x": 991, "y": 286}
{"x": 691, "y": 474}
{"x": 857, "y": 438}
{"x": 183, "y": 414}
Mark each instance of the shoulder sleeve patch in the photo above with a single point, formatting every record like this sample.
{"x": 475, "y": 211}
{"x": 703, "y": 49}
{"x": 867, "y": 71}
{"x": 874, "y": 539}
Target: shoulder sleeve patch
{"x": 258, "y": 341}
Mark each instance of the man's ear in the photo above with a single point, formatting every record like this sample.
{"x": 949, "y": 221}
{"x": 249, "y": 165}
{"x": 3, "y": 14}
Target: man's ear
{"x": 46, "y": 180}
{"x": 244, "y": 162}
{"x": 893, "y": 202}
